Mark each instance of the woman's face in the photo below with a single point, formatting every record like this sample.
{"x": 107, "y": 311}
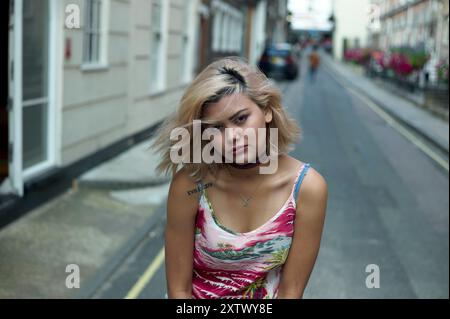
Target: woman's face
{"x": 233, "y": 115}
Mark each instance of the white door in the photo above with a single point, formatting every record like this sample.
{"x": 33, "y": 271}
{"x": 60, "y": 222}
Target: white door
{"x": 29, "y": 65}
{"x": 15, "y": 97}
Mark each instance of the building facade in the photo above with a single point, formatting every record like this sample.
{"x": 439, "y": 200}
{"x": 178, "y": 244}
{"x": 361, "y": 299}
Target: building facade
{"x": 85, "y": 74}
{"x": 417, "y": 24}
{"x": 276, "y": 22}
{"x": 351, "y": 22}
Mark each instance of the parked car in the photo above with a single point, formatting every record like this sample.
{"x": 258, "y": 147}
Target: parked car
{"x": 279, "y": 60}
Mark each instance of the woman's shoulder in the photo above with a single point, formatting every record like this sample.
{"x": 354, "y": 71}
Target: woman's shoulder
{"x": 183, "y": 187}
{"x": 182, "y": 206}
{"x": 313, "y": 184}
{"x": 183, "y": 177}
{"x": 290, "y": 166}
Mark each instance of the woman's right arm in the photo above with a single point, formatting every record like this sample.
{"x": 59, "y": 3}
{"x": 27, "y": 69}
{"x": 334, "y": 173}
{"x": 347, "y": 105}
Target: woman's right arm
{"x": 179, "y": 236}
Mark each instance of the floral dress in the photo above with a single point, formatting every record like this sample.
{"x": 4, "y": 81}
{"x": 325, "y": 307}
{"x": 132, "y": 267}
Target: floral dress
{"x": 229, "y": 264}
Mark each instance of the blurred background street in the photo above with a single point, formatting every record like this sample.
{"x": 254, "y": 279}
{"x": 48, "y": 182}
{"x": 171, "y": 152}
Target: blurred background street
{"x": 366, "y": 79}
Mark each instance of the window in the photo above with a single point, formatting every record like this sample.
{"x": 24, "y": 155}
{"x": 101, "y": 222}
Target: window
{"x": 216, "y": 30}
{"x": 189, "y": 16}
{"x": 238, "y": 32}
{"x": 232, "y": 32}
{"x": 222, "y": 32}
{"x": 95, "y": 32}
{"x": 225, "y": 32}
{"x": 235, "y": 34}
{"x": 227, "y": 24}
{"x": 445, "y": 33}
{"x": 157, "y": 40}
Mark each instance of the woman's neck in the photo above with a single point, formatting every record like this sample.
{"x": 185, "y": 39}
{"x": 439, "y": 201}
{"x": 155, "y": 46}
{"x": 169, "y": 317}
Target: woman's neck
{"x": 245, "y": 171}
{"x": 245, "y": 165}
{"x": 240, "y": 172}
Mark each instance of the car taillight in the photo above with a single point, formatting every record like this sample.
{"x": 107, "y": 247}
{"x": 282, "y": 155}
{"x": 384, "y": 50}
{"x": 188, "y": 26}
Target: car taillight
{"x": 289, "y": 60}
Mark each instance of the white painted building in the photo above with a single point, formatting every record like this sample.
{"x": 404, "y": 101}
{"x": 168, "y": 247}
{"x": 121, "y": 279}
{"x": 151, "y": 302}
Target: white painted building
{"x": 418, "y": 24}
{"x": 73, "y": 92}
{"x": 78, "y": 88}
{"x": 228, "y": 27}
{"x": 276, "y": 22}
{"x": 351, "y": 25}
{"x": 258, "y": 32}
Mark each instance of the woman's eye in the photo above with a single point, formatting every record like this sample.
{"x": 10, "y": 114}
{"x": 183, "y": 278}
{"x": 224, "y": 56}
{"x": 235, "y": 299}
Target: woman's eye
{"x": 241, "y": 118}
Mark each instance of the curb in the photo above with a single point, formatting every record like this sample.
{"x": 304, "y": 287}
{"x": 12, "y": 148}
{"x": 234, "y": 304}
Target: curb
{"x": 434, "y": 111}
{"x": 56, "y": 181}
{"x": 404, "y": 122}
{"x": 121, "y": 184}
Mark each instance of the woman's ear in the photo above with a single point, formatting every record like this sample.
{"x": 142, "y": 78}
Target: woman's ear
{"x": 268, "y": 115}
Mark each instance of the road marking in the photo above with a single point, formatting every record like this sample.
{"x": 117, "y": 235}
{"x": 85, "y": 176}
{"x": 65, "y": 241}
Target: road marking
{"x": 395, "y": 125}
{"x": 147, "y": 276}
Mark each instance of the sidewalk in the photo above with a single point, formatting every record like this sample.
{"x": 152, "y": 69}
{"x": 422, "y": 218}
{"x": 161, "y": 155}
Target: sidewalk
{"x": 429, "y": 126}
{"x": 132, "y": 169}
{"x": 94, "y": 225}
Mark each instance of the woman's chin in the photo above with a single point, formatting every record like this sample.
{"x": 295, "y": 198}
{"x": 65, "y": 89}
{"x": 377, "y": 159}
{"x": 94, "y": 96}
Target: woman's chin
{"x": 240, "y": 159}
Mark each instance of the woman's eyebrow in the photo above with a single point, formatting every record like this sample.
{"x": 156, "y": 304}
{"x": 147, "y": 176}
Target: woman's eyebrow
{"x": 237, "y": 113}
{"x": 231, "y": 117}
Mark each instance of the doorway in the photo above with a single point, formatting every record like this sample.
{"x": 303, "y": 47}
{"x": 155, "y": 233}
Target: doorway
{"x": 29, "y": 117}
{"x": 4, "y": 88}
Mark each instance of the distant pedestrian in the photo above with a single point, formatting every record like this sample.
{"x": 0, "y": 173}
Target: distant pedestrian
{"x": 314, "y": 63}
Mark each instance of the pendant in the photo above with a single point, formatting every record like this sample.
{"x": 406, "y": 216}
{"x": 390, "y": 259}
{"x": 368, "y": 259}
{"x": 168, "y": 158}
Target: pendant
{"x": 246, "y": 201}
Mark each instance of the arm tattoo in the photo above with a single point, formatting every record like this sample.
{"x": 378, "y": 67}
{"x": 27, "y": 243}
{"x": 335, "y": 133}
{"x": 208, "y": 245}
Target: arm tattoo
{"x": 199, "y": 188}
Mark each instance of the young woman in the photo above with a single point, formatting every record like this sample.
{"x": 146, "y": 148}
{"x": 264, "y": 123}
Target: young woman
{"x": 232, "y": 231}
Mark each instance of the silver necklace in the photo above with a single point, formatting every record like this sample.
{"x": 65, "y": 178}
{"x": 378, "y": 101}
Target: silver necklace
{"x": 245, "y": 200}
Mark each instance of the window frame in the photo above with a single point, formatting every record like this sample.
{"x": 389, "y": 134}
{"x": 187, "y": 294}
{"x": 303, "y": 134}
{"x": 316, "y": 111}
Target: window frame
{"x": 157, "y": 83}
{"x": 95, "y": 54}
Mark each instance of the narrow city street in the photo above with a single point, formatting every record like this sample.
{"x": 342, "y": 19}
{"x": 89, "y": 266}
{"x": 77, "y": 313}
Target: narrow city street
{"x": 388, "y": 203}
{"x": 89, "y": 86}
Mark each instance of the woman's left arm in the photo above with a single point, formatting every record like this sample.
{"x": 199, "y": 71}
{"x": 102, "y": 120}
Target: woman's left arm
{"x": 309, "y": 221}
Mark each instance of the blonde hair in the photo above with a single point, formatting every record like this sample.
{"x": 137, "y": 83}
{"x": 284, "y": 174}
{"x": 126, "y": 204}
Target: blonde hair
{"x": 223, "y": 77}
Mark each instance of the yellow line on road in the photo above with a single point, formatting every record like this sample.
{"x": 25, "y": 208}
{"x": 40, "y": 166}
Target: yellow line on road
{"x": 147, "y": 276}
{"x": 397, "y": 126}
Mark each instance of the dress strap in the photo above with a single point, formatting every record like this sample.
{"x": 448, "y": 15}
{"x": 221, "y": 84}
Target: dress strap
{"x": 300, "y": 179}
